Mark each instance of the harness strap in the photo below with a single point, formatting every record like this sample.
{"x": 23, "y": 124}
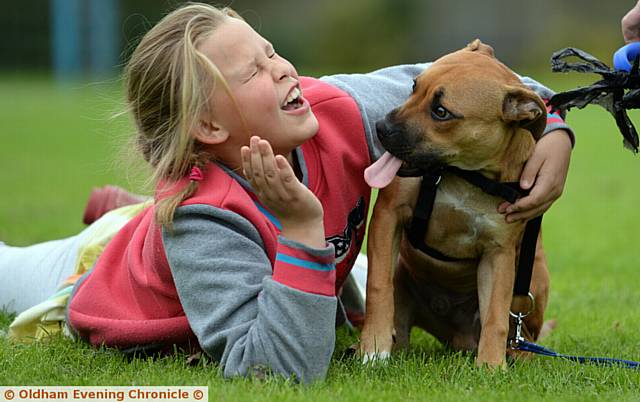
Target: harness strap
{"x": 527, "y": 256}
{"x": 507, "y": 191}
{"x": 422, "y": 214}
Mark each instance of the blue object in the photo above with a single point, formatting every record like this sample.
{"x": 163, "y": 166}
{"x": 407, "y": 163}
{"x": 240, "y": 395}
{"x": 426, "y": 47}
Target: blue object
{"x": 65, "y": 41}
{"x": 84, "y": 37}
{"x": 518, "y": 342}
{"x": 624, "y": 57}
{"x": 103, "y": 38}
{"x": 601, "y": 361}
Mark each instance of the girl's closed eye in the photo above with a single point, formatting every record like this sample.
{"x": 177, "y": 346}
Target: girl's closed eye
{"x": 271, "y": 53}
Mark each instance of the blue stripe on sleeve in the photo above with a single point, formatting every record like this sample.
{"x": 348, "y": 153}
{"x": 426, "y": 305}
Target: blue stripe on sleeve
{"x": 304, "y": 263}
{"x": 268, "y": 214}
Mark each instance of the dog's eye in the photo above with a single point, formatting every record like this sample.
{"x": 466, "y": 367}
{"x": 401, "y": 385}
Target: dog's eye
{"x": 413, "y": 89}
{"x": 439, "y": 112}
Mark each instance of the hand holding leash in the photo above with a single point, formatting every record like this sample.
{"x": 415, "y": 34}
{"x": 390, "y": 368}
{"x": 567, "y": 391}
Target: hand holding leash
{"x": 276, "y": 185}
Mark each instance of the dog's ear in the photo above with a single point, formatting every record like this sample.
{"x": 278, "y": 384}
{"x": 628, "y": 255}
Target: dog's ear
{"x": 526, "y": 108}
{"x": 478, "y": 46}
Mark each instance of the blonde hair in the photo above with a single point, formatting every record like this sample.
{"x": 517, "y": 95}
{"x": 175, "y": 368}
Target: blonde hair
{"x": 169, "y": 83}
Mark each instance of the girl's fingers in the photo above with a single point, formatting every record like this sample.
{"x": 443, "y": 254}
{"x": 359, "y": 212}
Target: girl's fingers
{"x": 526, "y": 215}
{"x": 502, "y": 208}
{"x": 245, "y": 156}
{"x": 272, "y": 177}
{"x": 268, "y": 161}
{"x": 285, "y": 192}
{"x": 287, "y": 175}
{"x": 272, "y": 173}
{"x": 539, "y": 195}
{"x": 256, "y": 163}
{"x": 531, "y": 170}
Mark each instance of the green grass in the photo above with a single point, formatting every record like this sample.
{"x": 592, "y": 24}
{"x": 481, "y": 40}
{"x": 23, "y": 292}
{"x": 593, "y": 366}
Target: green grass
{"x": 55, "y": 144}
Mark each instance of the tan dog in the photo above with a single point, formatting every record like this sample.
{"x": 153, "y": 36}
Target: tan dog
{"x": 470, "y": 111}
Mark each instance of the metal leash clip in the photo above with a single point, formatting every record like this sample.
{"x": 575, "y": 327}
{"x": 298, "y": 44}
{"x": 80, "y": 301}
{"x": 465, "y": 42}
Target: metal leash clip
{"x": 518, "y": 338}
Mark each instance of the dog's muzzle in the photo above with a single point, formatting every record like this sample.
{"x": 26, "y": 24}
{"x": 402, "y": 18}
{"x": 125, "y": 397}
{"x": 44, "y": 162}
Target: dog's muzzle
{"x": 387, "y": 130}
{"x": 394, "y": 138}
{"x": 401, "y": 143}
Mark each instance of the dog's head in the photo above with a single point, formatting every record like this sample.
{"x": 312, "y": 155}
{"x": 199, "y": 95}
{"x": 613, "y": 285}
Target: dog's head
{"x": 465, "y": 110}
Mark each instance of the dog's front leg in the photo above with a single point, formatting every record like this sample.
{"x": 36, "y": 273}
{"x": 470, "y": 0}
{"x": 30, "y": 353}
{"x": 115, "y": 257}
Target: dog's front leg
{"x": 496, "y": 274}
{"x": 385, "y": 232}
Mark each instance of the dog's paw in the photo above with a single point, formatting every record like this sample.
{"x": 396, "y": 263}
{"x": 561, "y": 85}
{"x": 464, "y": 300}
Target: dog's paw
{"x": 375, "y": 357}
{"x": 497, "y": 362}
{"x": 375, "y": 354}
{"x": 376, "y": 345}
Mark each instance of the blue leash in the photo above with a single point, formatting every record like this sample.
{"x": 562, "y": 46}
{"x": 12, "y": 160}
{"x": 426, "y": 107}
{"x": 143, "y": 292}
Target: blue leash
{"x": 519, "y": 343}
{"x": 601, "y": 361}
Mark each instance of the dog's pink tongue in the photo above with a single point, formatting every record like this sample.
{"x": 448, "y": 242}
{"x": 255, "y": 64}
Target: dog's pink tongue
{"x": 381, "y": 173}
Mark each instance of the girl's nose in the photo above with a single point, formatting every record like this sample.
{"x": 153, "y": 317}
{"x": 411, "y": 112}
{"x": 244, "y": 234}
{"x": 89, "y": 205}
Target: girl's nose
{"x": 283, "y": 71}
{"x": 281, "y": 74}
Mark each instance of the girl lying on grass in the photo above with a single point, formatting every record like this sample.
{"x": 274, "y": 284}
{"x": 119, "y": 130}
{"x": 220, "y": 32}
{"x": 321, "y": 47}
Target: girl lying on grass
{"x": 259, "y": 210}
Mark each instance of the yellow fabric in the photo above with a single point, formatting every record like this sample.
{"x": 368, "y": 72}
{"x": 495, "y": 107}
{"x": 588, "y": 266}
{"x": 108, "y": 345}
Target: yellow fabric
{"x": 48, "y": 317}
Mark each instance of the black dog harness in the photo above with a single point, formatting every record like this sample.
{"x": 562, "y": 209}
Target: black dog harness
{"x": 507, "y": 191}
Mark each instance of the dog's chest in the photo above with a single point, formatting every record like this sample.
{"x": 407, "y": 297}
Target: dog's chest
{"x": 463, "y": 219}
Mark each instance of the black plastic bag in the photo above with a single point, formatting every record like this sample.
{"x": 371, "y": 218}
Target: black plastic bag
{"x": 616, "y": 92}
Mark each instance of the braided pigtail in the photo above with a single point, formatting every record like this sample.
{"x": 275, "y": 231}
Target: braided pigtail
{"x": 169, "y": 86}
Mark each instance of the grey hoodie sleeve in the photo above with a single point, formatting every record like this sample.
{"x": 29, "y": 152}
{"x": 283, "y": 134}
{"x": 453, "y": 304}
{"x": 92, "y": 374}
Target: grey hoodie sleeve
{"x": 241, "y": 316}
{"x": 555, "y": 121}
{"x": 379, "y": 92}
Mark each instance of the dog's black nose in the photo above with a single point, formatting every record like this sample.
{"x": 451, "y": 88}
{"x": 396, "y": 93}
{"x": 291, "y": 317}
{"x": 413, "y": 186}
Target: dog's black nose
{"x": 384, "y": 128}
{"x": 388, "y": 127}
{"x": 381, "y": 128}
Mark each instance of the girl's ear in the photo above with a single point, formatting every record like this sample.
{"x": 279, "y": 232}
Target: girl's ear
{"x": 210, "y": 132}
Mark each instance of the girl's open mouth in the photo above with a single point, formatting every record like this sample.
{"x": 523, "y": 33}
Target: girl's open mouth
{"x": 294, "y": 100}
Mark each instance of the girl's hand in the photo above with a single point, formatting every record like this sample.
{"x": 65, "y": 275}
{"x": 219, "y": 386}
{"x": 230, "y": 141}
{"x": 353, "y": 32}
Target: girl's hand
{"x": 547, "y": 168}
{"x": 276, "y": 185}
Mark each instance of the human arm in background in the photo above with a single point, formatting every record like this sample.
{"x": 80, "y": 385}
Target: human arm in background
{"x": 631, "y": 24}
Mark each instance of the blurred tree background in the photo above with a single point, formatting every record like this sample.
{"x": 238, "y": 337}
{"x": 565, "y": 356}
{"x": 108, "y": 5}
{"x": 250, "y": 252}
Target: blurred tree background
{"x": 319, "y": 37}
{"x": 60, "y": 61}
